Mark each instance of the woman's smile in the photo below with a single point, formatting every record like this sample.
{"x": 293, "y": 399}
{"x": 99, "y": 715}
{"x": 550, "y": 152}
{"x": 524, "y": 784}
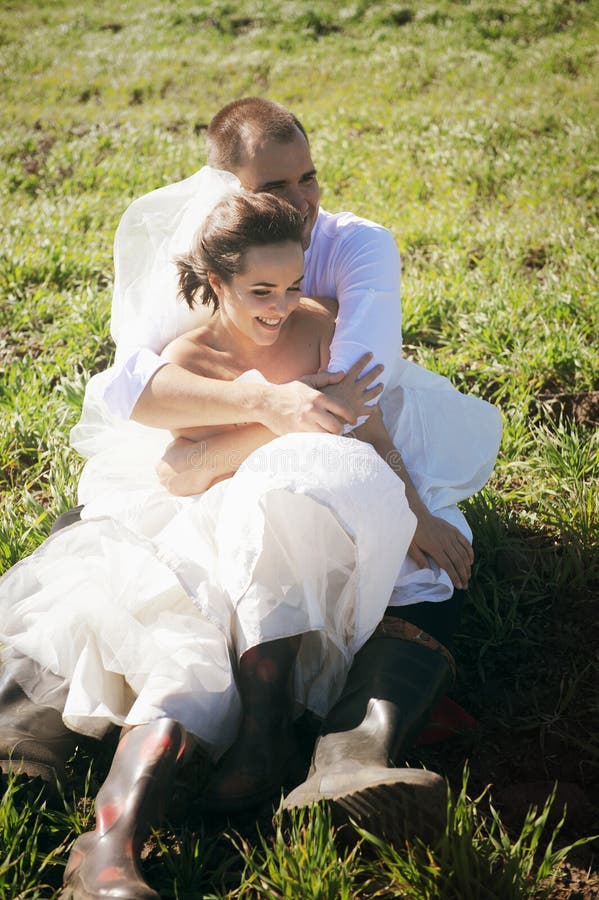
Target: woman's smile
{"x": 271, "y": 324}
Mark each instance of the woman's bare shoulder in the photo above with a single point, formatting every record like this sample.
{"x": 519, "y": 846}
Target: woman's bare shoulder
{"x": 316, "y": 321}
{"x": 325, "y": 307}
{"x": 318, "y": 315}
{"x": 192, "y": 350}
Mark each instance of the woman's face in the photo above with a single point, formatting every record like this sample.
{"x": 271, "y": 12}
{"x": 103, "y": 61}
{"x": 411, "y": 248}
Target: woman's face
{"x": 258, "y": 301}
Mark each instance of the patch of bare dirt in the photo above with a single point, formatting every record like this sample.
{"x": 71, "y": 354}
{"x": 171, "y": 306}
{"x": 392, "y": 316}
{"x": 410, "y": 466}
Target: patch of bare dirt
{"x": 575, "y": 884}
{"x": 581, "y": 407}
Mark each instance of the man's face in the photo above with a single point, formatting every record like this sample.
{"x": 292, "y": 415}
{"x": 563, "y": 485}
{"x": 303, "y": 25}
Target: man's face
{"x": 285, "y": 170}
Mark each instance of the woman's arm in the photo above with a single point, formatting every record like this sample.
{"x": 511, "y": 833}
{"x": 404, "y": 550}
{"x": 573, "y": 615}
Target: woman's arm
{"x": 191, "y": 467}
{"x": 201, "y": 456}
{"x": 433, "y": 537}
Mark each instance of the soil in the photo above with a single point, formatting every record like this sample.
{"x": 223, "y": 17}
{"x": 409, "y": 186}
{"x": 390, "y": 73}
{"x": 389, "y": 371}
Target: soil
{"x": 581, "y": 407}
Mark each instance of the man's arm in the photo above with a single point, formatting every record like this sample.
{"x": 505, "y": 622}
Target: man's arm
{"x": 433, "y": 537}
{"x": 175, "y": 398}
{"x": 367, "y": 274}
{"x": 173, "y": 392}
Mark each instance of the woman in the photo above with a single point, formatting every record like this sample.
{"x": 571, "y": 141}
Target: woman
{"x": 192, "y": 615}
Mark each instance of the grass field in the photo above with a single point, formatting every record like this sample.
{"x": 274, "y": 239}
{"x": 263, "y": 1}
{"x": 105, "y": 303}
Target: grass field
{"x": 469, "y": 129}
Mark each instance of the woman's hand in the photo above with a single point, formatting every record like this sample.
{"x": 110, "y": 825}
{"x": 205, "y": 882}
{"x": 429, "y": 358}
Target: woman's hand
{"x": 373, "y": 431}
{"x": 186, "y": 467}
{"x": 191, "y": 467}
{"x": 443, "y": 543}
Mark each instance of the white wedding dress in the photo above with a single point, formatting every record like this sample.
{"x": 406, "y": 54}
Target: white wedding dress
{"x": 142, "y": 609}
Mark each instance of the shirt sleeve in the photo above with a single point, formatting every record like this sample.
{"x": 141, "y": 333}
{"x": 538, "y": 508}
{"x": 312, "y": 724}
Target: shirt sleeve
{"x": 368, "y": 293}
{"x": 126, "y": 379}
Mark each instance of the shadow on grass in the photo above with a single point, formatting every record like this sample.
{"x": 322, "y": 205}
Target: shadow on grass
{"x": 528, "y": 671}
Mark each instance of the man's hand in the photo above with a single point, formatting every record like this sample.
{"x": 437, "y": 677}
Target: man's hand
{"x": 443, "y": 543}
{"x": 300, "y": 406}
{"x": 323, "y": 402}
{"x": 434, "y": 537}
{"x": 354, "y": 391}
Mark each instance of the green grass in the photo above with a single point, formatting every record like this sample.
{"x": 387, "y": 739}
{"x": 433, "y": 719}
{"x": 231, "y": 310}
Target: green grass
{"x": 470, "y": 129}
{"x": 298, "y": 855}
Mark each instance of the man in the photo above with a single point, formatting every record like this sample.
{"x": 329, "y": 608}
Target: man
{"x": 400, "y": 673}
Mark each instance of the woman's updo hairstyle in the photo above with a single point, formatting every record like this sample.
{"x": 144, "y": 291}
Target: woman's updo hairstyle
{"x": 234, "y": 226}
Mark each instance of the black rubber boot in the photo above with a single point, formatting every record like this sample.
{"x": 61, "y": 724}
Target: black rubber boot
{"x": 392, "y": 687}
{"x": 34, "y": 740}
{"x": 254, "y": 769}
{"x": 103, "y": 864}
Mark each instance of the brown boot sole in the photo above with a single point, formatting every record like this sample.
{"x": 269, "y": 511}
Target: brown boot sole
{"x": 393, "y": 804}
{"x": 37, "y": 757}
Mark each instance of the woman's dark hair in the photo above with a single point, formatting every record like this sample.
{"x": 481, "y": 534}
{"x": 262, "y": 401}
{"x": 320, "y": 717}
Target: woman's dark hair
{"x": 236, "y": 224}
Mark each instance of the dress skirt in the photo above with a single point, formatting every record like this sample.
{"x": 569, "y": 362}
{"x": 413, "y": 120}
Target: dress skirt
{"x": 143, "y": 608}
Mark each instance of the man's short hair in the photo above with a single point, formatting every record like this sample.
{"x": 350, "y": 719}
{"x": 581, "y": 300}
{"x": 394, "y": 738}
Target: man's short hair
{"x": 242, "y": 121}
